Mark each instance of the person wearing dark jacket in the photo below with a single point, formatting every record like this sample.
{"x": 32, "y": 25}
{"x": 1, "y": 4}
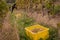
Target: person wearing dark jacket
{"x": 13, "y": 7}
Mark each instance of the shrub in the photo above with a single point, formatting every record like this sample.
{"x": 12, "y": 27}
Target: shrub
{"x": 56, "y": 8}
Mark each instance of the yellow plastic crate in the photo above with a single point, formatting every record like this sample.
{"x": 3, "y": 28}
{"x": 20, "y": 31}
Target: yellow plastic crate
{"x": 43, "y": 32}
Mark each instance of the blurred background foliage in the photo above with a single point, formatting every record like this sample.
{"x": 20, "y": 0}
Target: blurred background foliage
{"x": 3, "y": 10}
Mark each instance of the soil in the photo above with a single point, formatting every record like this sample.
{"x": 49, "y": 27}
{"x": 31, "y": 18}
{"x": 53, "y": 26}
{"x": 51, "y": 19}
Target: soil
{"x": 36, "y": 30}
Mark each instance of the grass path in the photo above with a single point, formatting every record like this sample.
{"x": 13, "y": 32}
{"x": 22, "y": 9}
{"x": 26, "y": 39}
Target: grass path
{"x": 8, "y": 32}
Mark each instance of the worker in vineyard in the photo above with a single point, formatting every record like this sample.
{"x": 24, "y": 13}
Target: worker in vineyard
{"x": 13, "y": 7}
